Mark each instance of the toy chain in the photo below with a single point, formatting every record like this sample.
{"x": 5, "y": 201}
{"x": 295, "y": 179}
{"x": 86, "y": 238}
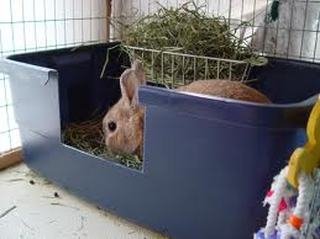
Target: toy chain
{"x": 290, "y": 194}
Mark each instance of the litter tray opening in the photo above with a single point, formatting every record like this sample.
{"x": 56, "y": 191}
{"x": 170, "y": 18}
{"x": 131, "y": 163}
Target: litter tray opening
{"x": 86, "y": 96}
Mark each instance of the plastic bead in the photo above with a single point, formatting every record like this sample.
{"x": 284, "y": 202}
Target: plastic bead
{"x": 270, "y": 193}
{"x": 295, "y": 221}
{"x": 283, "y": 205}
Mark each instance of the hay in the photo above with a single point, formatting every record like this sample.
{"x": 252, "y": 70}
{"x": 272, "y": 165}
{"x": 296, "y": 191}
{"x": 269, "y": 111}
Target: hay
{"x": 188, "y": 30}
{"x": 88, "y": 136}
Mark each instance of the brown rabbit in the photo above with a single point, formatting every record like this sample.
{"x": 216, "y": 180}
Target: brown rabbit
{"x": 124, "y": 122}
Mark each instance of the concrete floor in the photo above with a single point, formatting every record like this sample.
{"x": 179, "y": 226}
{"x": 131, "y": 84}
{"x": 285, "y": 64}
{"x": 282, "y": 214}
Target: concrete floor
{"x": 32, "y": 211}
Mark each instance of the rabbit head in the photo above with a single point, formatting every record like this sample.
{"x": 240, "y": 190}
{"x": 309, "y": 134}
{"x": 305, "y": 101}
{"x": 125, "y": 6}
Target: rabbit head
{"x": 123, "y": 123}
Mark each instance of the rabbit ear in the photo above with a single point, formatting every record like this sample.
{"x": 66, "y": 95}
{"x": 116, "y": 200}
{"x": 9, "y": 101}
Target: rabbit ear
{"x": 130, "y": 81}
{"x": 137, "y": 66}
{"x": 128, "y": 86}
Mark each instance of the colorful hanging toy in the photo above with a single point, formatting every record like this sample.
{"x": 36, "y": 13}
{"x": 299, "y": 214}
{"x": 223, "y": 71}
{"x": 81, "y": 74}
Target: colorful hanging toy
{"x": 290, "y": 195}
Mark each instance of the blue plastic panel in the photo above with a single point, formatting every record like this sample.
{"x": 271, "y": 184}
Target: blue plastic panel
{"x": 207, "y": 162}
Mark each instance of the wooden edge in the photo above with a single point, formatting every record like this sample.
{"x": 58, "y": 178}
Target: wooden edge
{"x": 108, "y": 19}
{"x": 10, "y": 158}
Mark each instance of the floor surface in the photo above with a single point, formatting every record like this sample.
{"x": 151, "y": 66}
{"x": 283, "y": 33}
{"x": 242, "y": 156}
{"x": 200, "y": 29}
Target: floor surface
{"x": 32, "y": 208}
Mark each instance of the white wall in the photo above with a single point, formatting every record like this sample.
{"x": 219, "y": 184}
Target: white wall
{"x": 217, "y": 7}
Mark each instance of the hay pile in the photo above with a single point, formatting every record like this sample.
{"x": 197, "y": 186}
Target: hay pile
{"x": 189, "y": 30}
{"x": 88, "y": 136}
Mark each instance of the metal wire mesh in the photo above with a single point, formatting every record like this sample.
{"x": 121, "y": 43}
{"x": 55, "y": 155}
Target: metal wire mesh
{"x": 32, "y": 25}
{"x": 174, "y": 69}
{"x": 294, "y": 34}
{"x": 174, "y": 66}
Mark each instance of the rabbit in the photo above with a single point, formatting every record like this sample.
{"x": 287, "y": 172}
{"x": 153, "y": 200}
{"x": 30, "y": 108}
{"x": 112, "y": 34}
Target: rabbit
{"x": 123, "y": 124}
{"x": 226, "y": 89}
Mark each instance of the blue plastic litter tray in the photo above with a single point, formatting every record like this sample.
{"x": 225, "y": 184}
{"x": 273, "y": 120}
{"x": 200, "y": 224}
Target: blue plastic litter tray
{"x": 208, "y": 162}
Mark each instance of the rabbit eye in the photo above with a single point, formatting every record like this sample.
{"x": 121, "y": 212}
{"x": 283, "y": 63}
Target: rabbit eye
{"x": 112, "y": 126}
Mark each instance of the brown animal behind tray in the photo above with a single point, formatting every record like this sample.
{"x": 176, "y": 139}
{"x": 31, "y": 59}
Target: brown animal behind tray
{"x": 123, "y": 124}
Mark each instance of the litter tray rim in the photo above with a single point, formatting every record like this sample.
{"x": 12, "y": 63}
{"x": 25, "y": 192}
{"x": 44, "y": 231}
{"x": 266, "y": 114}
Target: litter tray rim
{"x": 273, "y": 116}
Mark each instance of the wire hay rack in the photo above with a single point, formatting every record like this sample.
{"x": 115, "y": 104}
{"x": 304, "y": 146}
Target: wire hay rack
{"x": 181, "y": 44}
{"x": 174, "y": 69}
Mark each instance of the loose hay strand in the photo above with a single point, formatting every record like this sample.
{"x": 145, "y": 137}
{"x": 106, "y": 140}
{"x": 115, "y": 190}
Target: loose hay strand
{"x": 88, "y": 136}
